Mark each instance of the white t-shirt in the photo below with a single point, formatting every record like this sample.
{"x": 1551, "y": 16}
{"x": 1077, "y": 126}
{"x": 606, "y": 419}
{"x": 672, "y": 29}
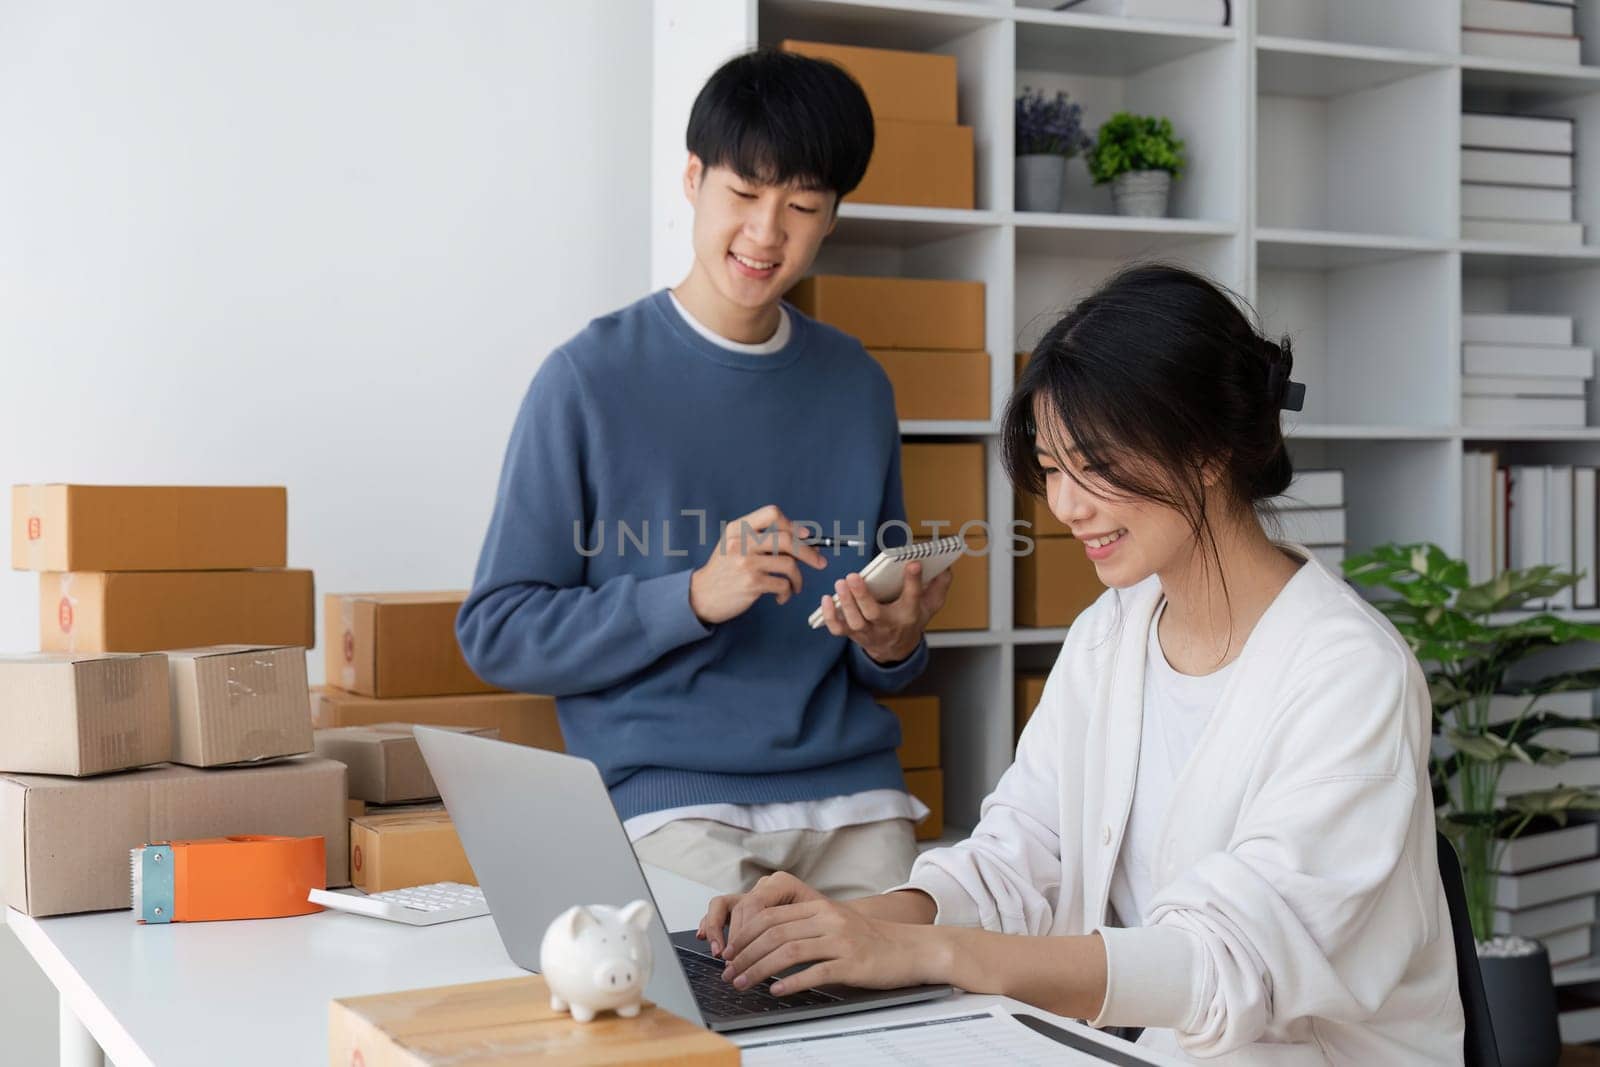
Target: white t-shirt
{"x": 829, "y": 813}
{"x": 1176, "y": 709}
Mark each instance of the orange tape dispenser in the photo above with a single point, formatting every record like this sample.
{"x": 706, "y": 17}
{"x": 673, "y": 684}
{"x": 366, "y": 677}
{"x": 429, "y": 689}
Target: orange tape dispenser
{"x": 245, "y": 877}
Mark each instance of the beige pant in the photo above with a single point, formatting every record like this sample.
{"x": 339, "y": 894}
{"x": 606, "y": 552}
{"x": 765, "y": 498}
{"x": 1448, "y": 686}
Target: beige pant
{"x": 852, "y": 861}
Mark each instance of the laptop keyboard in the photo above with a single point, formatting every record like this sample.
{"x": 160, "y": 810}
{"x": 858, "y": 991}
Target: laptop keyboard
{"x": 717, "y": 997}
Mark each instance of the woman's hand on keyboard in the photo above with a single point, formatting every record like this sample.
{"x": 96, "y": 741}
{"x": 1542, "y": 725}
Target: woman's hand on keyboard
{"x": 734, "y": 911}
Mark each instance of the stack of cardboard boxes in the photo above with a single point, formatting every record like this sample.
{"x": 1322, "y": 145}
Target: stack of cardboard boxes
{"x": 921, "y": 156}
{"x": 107, "y": 744}
{"x": 393, "y": 661}
{"x": 143, "y": 568}
{"x": 1055, "y": 581}
{"x": 928, "y": 335}
{"x": 919, "y": 757}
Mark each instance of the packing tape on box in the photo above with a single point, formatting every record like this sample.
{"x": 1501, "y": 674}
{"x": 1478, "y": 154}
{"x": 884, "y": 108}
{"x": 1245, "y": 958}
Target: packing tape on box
{"x": 347, "y": 642}
{"x": 67, "y": 612}
{"x": 33, "y": 527}
{"x": 256, "y": 676}
{"x": 249, "y": 876}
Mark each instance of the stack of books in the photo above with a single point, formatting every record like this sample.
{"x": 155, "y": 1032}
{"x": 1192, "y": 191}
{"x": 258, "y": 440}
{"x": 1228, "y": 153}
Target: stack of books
{"x": 1546, "y": 889}
{"x": 1523, "y": 370}
{"x": 1528, "y": 516}
{"x": 1311, "y": 513}
{"x": 1517, "y": 178}
{"x": 1533, "y": 31}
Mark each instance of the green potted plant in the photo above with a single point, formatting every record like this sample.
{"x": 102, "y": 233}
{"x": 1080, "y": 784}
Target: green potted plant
{"x": 1467, "y": 643}
{"x": 1049, "y": 132}
{"x": 1140, "y": 156}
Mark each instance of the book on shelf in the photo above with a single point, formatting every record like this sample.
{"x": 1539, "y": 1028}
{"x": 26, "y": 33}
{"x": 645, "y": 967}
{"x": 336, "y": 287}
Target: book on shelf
{"x": 1547, "y": 918}
{"x": 1499, "y": 385}
{"x": 1519, "y": 16}
{"x": 1569, "y": 945}
{"x": 1555, "y": 234}
{"x": 1530, "y": 777}
{"x": 1572, "y": 704}
{"x": 1478, "y": 471}
{"x": 1210, "y": 12}
{"x": 1577, "y": 1009}
{"x": 1583, "y": 594}
{"x": 1550, "y": 847}
{"x": 1525, "y": 521}
{"x": 1515, "y": 329}
{"x": 1527, "y": 361}
{"x": 1312, "y": 526}
{"x": 1556, "y": 49}
{"x": 1312, "y": 489}
{"x": 1525, "y": 411}
{"x": 1548, "y": 170}
{"x": 1558, "y": 527}
{"x": 1499, "y": 534}
{"x": 1520, "y": 202}
{"x": 1516, "y": 133}
{"x": 1514, "y": 892}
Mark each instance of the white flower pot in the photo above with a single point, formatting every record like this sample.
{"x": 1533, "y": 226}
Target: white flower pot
{"x": 1041, "y": 181}
{"x": 1141, "y": 192}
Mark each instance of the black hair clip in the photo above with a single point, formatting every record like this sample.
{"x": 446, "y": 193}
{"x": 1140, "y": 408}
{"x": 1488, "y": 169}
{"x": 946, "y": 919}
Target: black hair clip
{"x": 1294, "y": 396}
{"x": 1291, "y": 394}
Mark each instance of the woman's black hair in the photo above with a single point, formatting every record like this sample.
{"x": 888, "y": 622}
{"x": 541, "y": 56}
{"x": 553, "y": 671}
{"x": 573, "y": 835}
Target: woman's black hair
{"x": 777, "y": 117}
{"x": 1159, "y": 379}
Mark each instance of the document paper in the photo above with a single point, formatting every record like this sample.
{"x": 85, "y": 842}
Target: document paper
{"x": 990, "y": 1037}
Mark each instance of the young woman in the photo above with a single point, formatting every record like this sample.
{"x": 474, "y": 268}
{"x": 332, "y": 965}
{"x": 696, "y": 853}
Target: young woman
{"x": 1218, "y": 826}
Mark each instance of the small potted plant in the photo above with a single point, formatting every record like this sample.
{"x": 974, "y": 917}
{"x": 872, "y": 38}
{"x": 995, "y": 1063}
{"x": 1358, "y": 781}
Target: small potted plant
{"x": 1049, "y": 132}
{"x": 1140, "y": 157}
{"x": 1466, "y": 653}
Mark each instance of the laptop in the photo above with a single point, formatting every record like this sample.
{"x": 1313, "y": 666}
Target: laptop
{"x": 541, "y": 835}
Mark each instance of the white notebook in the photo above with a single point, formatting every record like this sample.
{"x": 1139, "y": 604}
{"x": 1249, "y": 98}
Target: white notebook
{"x": 886, "y": 573}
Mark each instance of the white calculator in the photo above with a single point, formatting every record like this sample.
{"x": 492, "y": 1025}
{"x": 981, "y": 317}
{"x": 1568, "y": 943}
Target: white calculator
{"x": 420, "y": 905}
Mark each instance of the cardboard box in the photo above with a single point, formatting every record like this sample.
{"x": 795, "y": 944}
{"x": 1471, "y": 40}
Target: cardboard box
{"x": 145, "y": 611}
{"x": 1055, "y": 583}
{"x": 919, "y": 164}
{"x": 507, "y": 1021}
{"x": 900, "y": 86}
{"x": 1035, "y": 510}
{"x": 64, "y": 841}
{"x": 931, "y": 384}
{"x": 913, "y": 313}
{"x": 521, "y": 718}
{"x": 943, "y": 483}
{"x": 81, "y": 714}
{"x": 1030, "y": 690}
{"x": 405, "y": 849}
{"x": 238, "y": 704}
{"x": 354, "y": 808}
{"x": 397, "y": 645}
{"x": 966, "y": 605}
{"x": 384, "y": 761}
{"x": 148, "y": 527}
{"x": 927, "y": 785}
{"x": 919, "y": 729}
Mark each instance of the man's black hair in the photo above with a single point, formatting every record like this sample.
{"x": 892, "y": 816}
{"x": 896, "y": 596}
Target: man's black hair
{"x": 776, "y": 117}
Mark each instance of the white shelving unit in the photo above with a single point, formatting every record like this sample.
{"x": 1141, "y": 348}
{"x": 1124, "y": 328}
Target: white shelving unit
{"x": 1323, "y": 138}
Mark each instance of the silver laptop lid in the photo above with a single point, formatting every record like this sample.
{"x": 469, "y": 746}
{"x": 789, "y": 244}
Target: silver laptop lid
{"x": 541, "y": 835}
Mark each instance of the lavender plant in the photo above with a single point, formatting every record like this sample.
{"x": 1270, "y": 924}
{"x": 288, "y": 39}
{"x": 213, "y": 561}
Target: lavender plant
{"x": 1049, "y": 125}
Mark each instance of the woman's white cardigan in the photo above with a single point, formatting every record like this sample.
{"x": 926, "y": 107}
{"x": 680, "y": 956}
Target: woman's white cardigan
{"x": 1298, "y": 915}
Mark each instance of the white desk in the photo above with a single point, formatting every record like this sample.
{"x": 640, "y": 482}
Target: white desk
{"x": 257, "y": 992}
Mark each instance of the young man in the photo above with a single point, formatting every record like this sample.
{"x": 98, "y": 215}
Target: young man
{"x": 646, "y": 562}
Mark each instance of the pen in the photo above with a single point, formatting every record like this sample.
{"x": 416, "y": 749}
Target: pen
{"x": 832, "y": 542}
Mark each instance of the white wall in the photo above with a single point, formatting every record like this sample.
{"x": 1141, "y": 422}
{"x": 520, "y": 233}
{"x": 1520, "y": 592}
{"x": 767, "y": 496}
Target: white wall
{"x": 316, "y": 243}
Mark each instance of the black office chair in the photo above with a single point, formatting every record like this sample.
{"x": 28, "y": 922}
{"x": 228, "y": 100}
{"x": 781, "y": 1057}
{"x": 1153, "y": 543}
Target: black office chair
{"x": 1480, "y": 1049}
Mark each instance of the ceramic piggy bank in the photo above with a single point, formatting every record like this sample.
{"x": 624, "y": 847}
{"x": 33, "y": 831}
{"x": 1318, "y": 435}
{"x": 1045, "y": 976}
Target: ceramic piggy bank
{"x": 596, "y": 957}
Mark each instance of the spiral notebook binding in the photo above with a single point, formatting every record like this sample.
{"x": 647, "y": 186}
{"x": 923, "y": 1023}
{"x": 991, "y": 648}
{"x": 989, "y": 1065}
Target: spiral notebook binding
{"x": 924, "y": 549}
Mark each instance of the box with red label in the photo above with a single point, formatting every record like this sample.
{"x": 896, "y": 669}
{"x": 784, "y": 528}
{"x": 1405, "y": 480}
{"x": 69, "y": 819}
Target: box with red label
{"x": 147, "y": 611}
{"x": 397, "y": 645}
{"x": 148, "y": 527}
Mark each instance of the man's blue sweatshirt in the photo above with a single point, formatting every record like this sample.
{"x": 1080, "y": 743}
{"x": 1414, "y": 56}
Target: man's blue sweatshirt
{"x": 637, "y": 439}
